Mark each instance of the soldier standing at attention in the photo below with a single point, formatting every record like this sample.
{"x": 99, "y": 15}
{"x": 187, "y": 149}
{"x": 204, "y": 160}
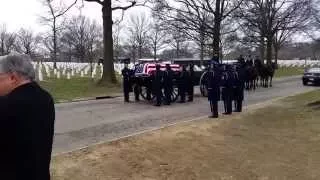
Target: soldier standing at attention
{"x": 227, "y": 90}
{"x": 239, "y": 92}
{"x": 191, "y": 83}
{"x": 168, "y": 84}
{"x": 157, "y": 84}
{"x": 183, "y": 80}
{"x": 214, "y": 78}
{"x": 126, "y": 73}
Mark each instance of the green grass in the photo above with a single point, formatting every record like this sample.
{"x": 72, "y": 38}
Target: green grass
{"x": 66, "y": 90}
{"x": 288, "y": 71}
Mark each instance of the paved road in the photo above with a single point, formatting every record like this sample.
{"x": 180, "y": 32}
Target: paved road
{"x": 83, "y": 123}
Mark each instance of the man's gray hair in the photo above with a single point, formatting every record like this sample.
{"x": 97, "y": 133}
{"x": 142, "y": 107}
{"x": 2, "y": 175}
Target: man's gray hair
{"x": 18, "y": 63}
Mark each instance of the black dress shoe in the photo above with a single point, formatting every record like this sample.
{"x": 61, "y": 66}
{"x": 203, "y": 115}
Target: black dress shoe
{"x": 157, "y": 105}
{"x": 212, "y": 116}
{"x": 182, "y": 102}
{"x": 227, "y": 113}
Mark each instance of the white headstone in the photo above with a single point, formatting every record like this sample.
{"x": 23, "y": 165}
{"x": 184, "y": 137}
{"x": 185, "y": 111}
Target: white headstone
{"x": 58, "y": 75}
{"x": 68, "y": 75}
{"x": 82, "y": 74}
{"x": 55, "y": 71}
{"x": 72, "y": 72}
{"x": 40, "y": 75}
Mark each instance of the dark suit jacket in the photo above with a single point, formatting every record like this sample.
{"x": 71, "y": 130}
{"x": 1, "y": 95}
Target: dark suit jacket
{"x": 27, "y": 118}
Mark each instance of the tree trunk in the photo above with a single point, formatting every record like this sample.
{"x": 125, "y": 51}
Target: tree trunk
{"x": 155, "y": 52}
{"x": 201, "y": 46}
{"x": 54, "y": 44}
{"x": 276, "y": 51}
{"x": 178, "y": 49}
{"x": 269, "y": 49}
{"x": 140, "y": 51}
{"x": 262, "y": 48}
{"x": 216, "y": 29}
{"x": 108, "y": 75}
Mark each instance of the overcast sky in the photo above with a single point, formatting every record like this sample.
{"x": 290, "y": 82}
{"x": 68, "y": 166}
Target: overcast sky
{"x": 25, "y": 13}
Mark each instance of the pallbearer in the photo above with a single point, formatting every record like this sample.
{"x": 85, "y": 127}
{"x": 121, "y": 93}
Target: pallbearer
{"x": 190, "y": 84}
{"x": 182, "y": 84}
{"x": 227, "y": 89}
{"x": 126, "y": 73}
{"x": 239, "y": 91}
{"x": 214, "y": 80}
{"x": 157, "y": 84}
{"x": 168, "y": 84}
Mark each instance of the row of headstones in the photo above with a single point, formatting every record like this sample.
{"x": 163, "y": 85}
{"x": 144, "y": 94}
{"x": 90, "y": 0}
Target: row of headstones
{"x": 66, "y": 71}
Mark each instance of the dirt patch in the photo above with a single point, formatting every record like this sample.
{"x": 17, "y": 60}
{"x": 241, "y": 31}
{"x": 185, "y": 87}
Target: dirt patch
{"x": 274, "y": 142}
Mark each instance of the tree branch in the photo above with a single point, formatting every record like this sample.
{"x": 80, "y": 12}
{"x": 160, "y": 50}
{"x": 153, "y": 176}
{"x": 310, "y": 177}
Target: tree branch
{"x": 125, "y": 7}
{"x": 97, "y": 1}
{"x": 69, "y": 7}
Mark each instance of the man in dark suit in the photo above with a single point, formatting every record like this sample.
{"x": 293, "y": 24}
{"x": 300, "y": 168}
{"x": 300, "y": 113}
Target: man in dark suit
{"x": 27, "y": 121}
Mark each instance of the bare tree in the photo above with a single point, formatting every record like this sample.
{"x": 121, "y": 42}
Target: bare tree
{"x": 7, "y": 40}
{"x": 202, "y": 16}
{"x": 117, "y": 40}
{"x": 107, "y": 9}
{"x": 28, "y": 42}
{"x": 80, "y": 36}
{"x": 158, "y": 38}
{"x": 139, "y": 27}
{"x": 54, "y": 13}
{"x": 273, "y": 19}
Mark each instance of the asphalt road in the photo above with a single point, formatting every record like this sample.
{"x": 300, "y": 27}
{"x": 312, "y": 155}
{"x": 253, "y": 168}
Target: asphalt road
{"x": 81, "y": 124}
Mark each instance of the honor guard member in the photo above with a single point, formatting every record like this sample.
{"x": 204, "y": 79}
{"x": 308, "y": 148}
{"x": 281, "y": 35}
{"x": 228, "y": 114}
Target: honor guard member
{"x": 235, "y": 85}
{"x": 168, "y": 84}
{"x": 126, "y": 73}
{"x": 190, "y": 83}
{"x": 215, "y": 59}
{"x": 214, "y": 80}
{"x": 239, "y": 91}
{"x": 182, "y": 84}
{"x": 137, "y": 84}
{"x": 157, "y": 84}
{"x": 241, "y": 60}
{"x": 227, "y": 89}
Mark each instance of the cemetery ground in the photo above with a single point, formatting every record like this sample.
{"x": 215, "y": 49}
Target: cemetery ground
{"x": 288, "y": 71}
{"x": 272, "y": 140}
{"x": 64, "y": 90}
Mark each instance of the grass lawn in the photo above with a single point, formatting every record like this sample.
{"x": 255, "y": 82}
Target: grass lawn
{"x": 66, "y": 90}
{"x": 288, "y": 71}
{"x": 278, "y": 140}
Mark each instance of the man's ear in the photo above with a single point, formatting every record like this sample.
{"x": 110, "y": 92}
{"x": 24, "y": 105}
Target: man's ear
{"x": 14, "y": 77}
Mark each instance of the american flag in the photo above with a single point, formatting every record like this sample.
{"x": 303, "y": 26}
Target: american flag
{"x": 149, "y": 68}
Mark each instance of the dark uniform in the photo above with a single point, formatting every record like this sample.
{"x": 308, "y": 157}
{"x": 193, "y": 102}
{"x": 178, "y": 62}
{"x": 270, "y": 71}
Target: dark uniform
{"x": 214, "y": 79}
{"x": 137, "y": 86}
{"x": 239, "y": 91}
{"x": 227, "y": 89}
{"x": 182, "y": 84}
{"x": 215, "y": 59}
{"x": 157, "y": 85}
{"x": 241, "y": 60}
{"x": 168, "y": 84}
{"x": 191, "y": 83}
{"x": 126, "y": 73}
